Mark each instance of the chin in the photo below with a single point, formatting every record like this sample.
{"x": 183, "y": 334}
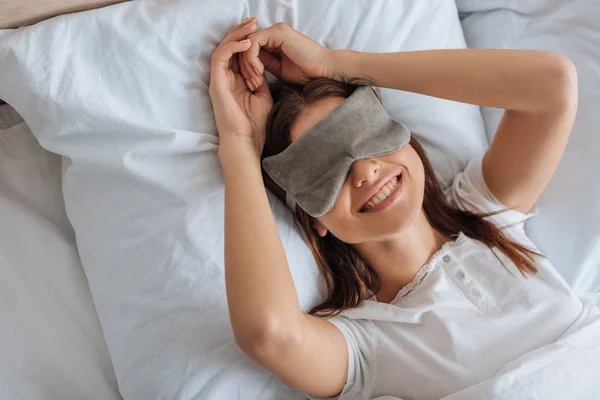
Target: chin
{"x": 394, "y": 229}
{"x": 378, "y": 230}
{"x": 396, "y": 222}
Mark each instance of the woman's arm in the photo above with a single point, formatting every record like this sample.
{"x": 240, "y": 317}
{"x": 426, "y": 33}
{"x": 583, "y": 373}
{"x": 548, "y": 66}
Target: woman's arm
{"x": 537, "y": 89}
{"x": 305, "y": 352}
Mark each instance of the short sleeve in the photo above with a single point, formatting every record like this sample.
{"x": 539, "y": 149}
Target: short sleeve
{"x": 469, "y": 192}
{"x": 361, "y": 368}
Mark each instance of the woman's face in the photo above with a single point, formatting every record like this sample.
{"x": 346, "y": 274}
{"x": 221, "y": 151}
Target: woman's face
{"x": 357, "y": 216}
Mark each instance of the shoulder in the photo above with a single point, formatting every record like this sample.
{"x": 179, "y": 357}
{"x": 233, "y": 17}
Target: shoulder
{"x": 360, "y": 381}
{"x": 468, "y": 191}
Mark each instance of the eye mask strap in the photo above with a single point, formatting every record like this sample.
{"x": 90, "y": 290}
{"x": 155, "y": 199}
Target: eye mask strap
{"x": 290, "y": 202}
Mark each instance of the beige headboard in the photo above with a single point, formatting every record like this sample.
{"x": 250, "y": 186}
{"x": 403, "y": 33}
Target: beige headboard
{"x": 15, "y": 13}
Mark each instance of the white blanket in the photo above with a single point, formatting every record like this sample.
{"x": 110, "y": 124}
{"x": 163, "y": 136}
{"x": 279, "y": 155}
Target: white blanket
{"x": 567, "y": 369}
{"x": 568, "y": 227}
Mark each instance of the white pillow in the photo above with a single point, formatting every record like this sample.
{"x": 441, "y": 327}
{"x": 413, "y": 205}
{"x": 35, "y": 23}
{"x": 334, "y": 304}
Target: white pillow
{"x": 122, "y": 91}
{"x": 51, "y": 343}
{"x": 568, "y": 227}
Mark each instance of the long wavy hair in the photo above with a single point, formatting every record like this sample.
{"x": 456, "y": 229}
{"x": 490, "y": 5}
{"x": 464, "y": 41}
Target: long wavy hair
{"x": 347, "y": 275}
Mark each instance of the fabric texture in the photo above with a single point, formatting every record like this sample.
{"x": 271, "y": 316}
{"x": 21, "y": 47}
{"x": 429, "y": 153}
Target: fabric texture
{"x": 312, "y": 169}
{"x": 568, "y": 229}
{"x": 51, "y": 343}
{"x": 122, "y": 92}
{"x": 469, "y": 319}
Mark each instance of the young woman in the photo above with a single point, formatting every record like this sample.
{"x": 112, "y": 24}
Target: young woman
{"x": 429, "y": 291}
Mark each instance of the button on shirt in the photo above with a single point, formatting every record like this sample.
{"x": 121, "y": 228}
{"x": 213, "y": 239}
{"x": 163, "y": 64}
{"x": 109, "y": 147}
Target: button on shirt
{"x": 463, "y": 317}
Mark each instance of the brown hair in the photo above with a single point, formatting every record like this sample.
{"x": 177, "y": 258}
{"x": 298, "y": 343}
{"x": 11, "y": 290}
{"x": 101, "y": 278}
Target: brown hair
{"x": 346, "y": 274}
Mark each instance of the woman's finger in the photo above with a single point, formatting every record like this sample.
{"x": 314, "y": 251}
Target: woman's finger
{"x": 242, "y": 65}
{"x": 270, "y": 62}
{"x": 253, "y": 67}
{"x": 240, "y": 32}
{"x": 245, "y": 21}
{"x": 222, "y": 54}
{"x": 253, "y": 60}
{"x": 273, "y": 37}
{"x": 245, "y": 70}
{"x": 242, "y": 23}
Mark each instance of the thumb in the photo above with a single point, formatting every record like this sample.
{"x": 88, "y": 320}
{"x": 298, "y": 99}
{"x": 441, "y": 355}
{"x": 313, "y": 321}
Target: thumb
{"x": 271, "y": 38}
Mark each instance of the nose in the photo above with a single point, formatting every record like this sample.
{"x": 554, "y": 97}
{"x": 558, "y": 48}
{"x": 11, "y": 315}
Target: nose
{"x": 364, "y": 170}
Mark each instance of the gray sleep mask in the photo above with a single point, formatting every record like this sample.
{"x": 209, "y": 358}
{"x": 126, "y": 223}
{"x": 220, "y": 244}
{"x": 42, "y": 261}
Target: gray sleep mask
{"x": 312, "y": 170}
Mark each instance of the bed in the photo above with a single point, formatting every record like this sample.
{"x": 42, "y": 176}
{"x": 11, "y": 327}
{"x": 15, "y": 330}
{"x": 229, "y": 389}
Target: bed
{"x": 51, "y": 341}
{"x": 97, "y": 302}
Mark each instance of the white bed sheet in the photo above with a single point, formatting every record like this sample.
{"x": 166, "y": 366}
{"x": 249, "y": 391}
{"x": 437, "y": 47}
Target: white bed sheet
{"x": 51, "y": 343}
{"x": 567, "y": 229}
{"x": 127, "y": 102}
{"x": 50, "y": 340}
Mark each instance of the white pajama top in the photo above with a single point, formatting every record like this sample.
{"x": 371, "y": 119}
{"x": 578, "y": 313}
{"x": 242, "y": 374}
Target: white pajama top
{"x": 463, "y": 318}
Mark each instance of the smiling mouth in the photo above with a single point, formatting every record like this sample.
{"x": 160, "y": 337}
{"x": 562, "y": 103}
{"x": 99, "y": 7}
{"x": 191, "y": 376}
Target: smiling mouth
{"x": 382, "y": 195}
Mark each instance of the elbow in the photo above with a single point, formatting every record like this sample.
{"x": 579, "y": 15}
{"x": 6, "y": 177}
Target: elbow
{"x": 562, "y": 84}
{"x": 270, "y": 339}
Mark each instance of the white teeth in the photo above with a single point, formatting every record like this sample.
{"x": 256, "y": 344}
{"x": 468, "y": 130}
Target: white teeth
{"x": 383, "y": 193}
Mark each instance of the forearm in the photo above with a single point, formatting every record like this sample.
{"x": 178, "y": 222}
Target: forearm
{"x": 260, "y": 291}
{"x": 522, "y": 80}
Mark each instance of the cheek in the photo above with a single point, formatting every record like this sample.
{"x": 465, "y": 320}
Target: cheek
{"x": 415, "y": 165}
{"x": 418, "y": 172}
{"x": 340, "y": 224}
{"x": 419, "y": 176}
{"x": 417, "y": 184}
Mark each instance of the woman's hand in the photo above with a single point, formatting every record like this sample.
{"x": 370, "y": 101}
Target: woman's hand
{"x": 240, "y": 114}
{"x": 287, "y": 54}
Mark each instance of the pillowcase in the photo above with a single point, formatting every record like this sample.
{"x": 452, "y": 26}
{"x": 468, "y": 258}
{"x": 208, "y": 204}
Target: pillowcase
{"x": 50, "y": 339}
{"x": 122, "y": 92}
{"x": 568, "y": 227}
